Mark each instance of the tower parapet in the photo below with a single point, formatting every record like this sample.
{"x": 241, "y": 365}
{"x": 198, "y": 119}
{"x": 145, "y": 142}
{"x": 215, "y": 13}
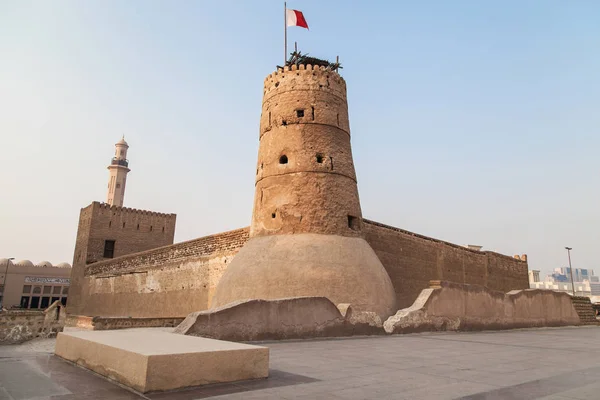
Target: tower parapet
{"x": 306, "y": 235}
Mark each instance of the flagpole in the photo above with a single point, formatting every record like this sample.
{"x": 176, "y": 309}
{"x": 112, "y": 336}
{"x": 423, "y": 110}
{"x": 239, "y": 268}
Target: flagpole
{"x": 285, "y": 34}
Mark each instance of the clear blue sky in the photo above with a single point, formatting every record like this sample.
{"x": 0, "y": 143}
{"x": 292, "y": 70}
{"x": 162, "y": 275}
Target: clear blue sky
{"x": 473, "y": 122}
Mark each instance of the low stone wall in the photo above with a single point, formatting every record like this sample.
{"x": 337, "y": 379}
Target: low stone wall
{"x": 18, "y": 326}
{"x": 447, "y": 306}
{"x": 585, "y": 310}
{"x": 293, "y": 318}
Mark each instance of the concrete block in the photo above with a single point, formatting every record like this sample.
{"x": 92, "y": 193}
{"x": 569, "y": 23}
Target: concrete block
{"x": 150, "y": 360}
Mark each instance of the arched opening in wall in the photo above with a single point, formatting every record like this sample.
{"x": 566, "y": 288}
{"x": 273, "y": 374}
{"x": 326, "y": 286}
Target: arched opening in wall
{"x": 138, "y": 227}
{"x": 300, "y": 113}
{"x": 283, "y": 159}
{"x": 123, "y": 224}
{"x": 353, "y": 223}
{"x": 150, "y": 228}
{"x": 319, "y": 158}
{"x": 163, "y": 229}
{"x": 273, "y": 215}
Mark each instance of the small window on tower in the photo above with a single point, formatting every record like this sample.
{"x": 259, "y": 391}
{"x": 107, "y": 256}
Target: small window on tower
{"x": 299, "y": 113}
{"x": 283, "y": 159}
{"x": 109, "y": 249}
{"x": 118, "y": 185}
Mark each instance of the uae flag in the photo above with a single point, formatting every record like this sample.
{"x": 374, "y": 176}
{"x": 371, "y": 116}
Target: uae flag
{"x": 295, "y": 18}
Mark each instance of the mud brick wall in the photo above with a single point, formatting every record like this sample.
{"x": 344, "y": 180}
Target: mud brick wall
{"x": 174, "y": 280}
{"x": 169, "y": 281}
{"x": 132, "y": 230}
{"x": 413, "y": 260}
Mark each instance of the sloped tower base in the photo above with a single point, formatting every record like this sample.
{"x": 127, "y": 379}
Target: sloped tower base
{"x": 343, "y": 269}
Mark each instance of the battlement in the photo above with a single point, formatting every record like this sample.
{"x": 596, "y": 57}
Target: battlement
{"x": 127, "y": 210}
{"x": 304, "y": 77}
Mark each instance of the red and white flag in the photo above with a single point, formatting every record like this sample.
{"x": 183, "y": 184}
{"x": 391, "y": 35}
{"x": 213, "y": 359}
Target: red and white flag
{"x": 295, "y": 18}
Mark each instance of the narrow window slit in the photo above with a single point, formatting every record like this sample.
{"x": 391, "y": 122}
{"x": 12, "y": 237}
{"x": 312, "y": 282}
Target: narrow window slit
{"x": 353, "y": 223}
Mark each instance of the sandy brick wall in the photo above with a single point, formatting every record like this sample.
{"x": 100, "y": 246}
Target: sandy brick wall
{"x": 170, "y": 281}
{"x": 412, "y": 260}
{"x": 175, "y": 280}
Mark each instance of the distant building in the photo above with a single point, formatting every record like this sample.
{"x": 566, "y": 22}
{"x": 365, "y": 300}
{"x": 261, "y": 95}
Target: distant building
{"x": 534, "y": 276}
{"x": 33, "y": 286}
{"x": 585, "y": 282}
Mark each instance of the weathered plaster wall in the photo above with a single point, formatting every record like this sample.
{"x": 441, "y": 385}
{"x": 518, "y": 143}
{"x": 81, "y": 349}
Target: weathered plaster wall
{"x": 412, "y": 260}
{"x": 18, "y": 326}
{"x": 452, "y": 306}
{"x": 132, "y": 230}
{"x": 170, "y": 281}
{"x": 176, "y": 280}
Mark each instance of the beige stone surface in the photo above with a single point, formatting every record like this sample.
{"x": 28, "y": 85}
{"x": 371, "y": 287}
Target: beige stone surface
{"x": 293, "y": 318}
{"x": 342, "y": 269}
{"x": 305, "y": 119}
{"x": 306, "y": 236}
{"x": 132, "y": 230}
{"x": 452, "y": 306}
{"x": 156, "y": 359}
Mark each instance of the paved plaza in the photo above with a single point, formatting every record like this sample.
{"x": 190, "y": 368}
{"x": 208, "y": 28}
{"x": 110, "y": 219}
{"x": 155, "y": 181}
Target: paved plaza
{"x": 548, "y": 363}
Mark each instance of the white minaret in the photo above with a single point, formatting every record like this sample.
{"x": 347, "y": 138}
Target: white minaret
{"x": 118, "y": 170}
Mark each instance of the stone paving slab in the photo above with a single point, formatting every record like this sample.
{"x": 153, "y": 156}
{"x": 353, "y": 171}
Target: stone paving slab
{"x": 547, "y": 363}
{"x": 153, "y": 359}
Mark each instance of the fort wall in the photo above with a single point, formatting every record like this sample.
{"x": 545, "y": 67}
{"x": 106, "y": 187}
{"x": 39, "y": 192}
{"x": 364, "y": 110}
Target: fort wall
{"x": 174, "y": 280}
{"x": 129, "y": 230}
{"x": 412, "y": 260}
{"x": 169, "y": 281}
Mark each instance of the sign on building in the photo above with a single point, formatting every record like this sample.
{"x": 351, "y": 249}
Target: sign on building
{"x": 38, "y": 279}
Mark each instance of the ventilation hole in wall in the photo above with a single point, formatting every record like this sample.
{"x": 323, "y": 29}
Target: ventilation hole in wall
{"x": 269, "y": 118}
{"x": 299, "y": 113}
{"x": 320, "y": 86}
{"x": 338, "y": 119}
{"x": 138, "y": 227}
{"x": 123, "y": 224}
{"x": 331, "y": 160}
{"x": 320, "y": 158}
{"x": 276, "y": 84}
{"x": 273, "y": 215}
{"x": 109, "y": 224}
{"x": 150, "y": 228}
{"x": 353, "y": 223}
{"x": 313, "y": 113}
{"x": 283, "y": 159}
{"x": 284, "y": 123}
{"x": 163, "y": 229}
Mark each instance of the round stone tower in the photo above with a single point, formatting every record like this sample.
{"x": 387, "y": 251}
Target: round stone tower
{"x": 306, "y": 235}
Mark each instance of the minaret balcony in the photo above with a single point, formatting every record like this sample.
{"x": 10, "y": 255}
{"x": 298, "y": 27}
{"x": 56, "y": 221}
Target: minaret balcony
{"x": 118, "y": 161}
